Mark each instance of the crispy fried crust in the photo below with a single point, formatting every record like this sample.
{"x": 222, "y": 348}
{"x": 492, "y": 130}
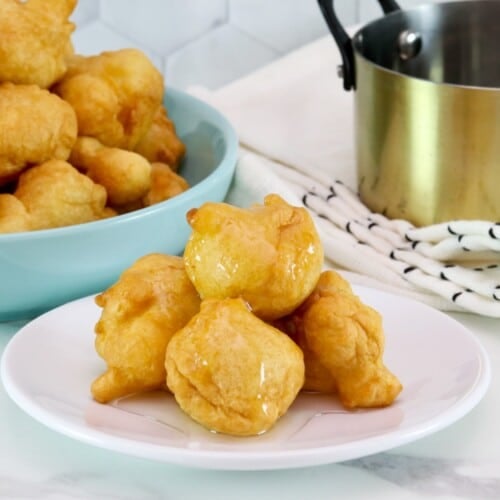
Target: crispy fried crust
{"x": 165, "y": 184}
{"x": 55, "y": 194}
{"x": 35, "y": 40}
{"x": 115, "y": 95}
{"x": 125, "y": 175}
{"x": 36, "y": 126}
{"x": 161, "y": 143}
{"x": 14, "y": 217}
{"x": 150, "y": 302}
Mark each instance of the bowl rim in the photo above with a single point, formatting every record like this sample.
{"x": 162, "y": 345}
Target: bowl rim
{"x": 225, "y": 167}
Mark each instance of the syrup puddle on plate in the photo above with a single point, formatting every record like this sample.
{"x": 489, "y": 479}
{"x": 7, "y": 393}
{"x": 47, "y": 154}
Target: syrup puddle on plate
{"x": 312, "y": 420}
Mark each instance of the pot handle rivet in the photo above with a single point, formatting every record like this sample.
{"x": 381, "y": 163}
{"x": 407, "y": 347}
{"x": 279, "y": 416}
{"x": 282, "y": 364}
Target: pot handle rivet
{"x": 409, "y": 44}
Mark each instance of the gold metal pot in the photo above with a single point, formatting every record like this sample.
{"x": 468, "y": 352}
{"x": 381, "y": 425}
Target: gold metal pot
{"x": 427, "y": 106}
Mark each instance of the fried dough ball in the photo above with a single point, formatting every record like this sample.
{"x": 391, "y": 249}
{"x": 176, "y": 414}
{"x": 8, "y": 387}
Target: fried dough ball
{"x": 125, "y": 175}
{"x": 230, "y": 371}
{"x": 317, "y": 377}
{"x": 14, "y": 217}
{"x": 55, "y": 194}
{"x": 36, "y": 126}
{"x": 84, "y": 149}
{"x": 161, "y": 143}
{"x": 165, "y": 184}
{"x": 270, "y": 254}
{"x": 108, "y": 212}
{"x": 115, "y": 95}
{"x": 347, "y": 338}
{"x": 35, "y": 40}
{"x": 150, "y": 302}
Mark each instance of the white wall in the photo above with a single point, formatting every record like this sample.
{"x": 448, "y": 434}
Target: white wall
{"x": 209, "y": 42}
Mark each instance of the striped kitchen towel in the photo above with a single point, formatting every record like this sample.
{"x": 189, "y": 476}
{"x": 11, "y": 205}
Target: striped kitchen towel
{"x": 452, "y": 266}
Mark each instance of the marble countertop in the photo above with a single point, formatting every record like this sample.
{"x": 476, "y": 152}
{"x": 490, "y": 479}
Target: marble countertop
{"x": 461, "y": 461}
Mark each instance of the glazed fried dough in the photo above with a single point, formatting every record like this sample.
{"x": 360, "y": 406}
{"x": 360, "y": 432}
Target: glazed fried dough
{"x": 270, "y": 255}
{"x": 347, "y": 338}
{"x": 230, "y": 371}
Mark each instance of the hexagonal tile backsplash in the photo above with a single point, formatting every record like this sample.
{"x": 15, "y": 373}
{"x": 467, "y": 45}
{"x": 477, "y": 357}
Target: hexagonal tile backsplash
{"x": 207, "y": 42}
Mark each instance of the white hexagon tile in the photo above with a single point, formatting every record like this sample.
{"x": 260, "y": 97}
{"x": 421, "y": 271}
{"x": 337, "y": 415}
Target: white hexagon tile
{"x": 207, "y": 42}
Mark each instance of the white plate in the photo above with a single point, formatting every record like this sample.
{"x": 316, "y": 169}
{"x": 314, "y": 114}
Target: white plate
{"x": 49, "y": 364}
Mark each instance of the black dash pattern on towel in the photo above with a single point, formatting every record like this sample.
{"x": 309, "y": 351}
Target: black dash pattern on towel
{"x": 431, "y": 259}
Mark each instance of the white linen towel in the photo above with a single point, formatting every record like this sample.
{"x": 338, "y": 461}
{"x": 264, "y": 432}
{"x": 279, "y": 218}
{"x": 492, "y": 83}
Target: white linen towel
{"x": 296, "y": 132}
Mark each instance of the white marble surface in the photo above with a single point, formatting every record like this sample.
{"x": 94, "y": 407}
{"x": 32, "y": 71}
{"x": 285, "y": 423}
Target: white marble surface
{"x": 461, "y": 461}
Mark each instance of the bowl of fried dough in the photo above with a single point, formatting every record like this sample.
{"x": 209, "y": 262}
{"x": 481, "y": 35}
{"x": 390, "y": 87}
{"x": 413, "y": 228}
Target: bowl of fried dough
{"x": 99, "y": 164}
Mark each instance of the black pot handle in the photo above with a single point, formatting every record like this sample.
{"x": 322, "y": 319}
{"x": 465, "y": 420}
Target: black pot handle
{"x": 389, "y": 6}
{"x": 344, "y": 43}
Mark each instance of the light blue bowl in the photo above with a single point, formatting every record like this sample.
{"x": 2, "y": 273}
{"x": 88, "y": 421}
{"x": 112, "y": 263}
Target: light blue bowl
{"x": 42, "y": 269}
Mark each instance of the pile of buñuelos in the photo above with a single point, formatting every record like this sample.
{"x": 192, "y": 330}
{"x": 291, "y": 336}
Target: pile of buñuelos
{"x": 81, "y": 138}
{"x": 241, "y": 323}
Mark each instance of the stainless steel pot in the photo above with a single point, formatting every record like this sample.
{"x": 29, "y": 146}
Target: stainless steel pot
{"x": 427, "y": 107}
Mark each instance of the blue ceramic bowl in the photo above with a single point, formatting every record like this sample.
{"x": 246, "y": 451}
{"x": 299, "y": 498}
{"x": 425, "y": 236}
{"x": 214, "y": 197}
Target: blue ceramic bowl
{"x": 42, "y": 269}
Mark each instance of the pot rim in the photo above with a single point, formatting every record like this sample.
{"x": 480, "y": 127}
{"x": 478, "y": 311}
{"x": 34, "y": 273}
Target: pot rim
{"x": 355, "y": 40}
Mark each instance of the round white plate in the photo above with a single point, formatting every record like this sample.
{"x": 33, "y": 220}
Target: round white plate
{"x": 48, "y": 366}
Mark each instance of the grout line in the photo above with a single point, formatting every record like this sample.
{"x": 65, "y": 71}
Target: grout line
{"x": 251, "y": 36}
